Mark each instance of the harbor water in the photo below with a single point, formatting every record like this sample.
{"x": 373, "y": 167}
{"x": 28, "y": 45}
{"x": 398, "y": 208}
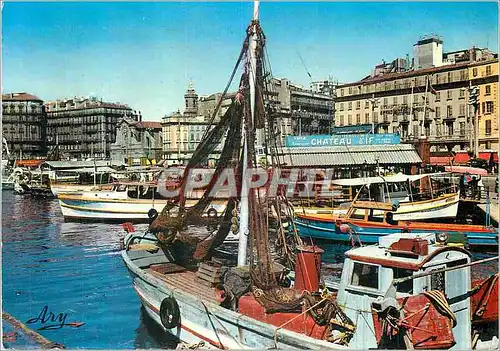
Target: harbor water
{"x": 74, "y": 271}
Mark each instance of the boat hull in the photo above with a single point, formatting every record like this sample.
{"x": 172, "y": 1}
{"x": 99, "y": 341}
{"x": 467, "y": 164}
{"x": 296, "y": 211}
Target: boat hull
{"x": 369, "y": 232}
{"x": 61, "y": 188}
{"x": 204, "y": 321}
{"x": 77, "y": 208}
{"x": 445, "y": 206}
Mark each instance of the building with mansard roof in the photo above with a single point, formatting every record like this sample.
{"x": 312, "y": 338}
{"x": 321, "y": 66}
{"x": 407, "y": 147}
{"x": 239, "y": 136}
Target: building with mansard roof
{"x": 428, "y": 98}
{"x": 24, "y": 125}
{"x": 85, "y": 126}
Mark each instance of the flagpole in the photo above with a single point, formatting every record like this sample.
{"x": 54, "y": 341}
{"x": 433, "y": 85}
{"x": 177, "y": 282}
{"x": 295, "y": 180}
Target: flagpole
{"x": 411, "y": 101}
{"x": 425, "y": 105}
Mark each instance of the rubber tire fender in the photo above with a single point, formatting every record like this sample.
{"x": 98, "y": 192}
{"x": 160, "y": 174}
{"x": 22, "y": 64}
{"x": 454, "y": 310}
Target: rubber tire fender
{"x": 170, "y": 314}
{"x": 212, "y": 213}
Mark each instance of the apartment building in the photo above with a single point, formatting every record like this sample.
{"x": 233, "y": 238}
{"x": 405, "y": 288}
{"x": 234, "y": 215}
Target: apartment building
{"x": 484, "y": 75}
{"x": 294, "y": 109}
{"x": 85, "y": 127}
{"x": 430, "y": 100}
{"x": 24, "y": 125}
{"x": 303, "y": 111}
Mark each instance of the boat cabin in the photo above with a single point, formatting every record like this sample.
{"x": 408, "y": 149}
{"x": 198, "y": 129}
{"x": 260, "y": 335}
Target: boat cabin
{"x": 371, "y": 273}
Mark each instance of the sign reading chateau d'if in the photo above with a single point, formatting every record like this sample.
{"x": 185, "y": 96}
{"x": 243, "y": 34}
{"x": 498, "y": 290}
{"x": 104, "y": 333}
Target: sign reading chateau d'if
{"x": 342, "y": 140}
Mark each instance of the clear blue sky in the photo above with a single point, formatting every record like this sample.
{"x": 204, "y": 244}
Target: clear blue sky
{"x": 145, "y": 54}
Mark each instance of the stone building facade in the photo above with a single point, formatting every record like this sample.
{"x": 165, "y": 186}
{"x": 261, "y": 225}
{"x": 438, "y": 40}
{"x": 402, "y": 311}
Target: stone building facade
{"x": 81, "y": 126}
{"x": 182, "y": 132}
{"x": 24, "y": 125}
{"x": 484, "y": 75}
{"x": 137, "y": 143}
{"x": 430, "y": 102}
{"x": 302, "y": 111}
{"x": 295, "y": 110}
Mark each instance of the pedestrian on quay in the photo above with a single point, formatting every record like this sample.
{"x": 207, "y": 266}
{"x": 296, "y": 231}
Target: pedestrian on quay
{"x": 473, "y": 184}
{"x": 462, "y": 185}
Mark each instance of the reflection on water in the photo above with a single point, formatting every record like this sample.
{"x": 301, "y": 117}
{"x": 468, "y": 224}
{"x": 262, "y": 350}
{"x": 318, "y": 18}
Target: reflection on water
{"x": 76, "y": 268}
{"x": 73, "y": 268}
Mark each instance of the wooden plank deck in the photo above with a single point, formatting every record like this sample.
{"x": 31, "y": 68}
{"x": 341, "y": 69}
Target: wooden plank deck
{"x": 186, "y": 281}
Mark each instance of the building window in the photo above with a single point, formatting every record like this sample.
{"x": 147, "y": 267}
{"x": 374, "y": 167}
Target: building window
{"x": 462, "y": 129}
{"x": 462, "y": 110}
{"x": 438, "y": 112}
{"x": 405, "y": 99}
{"x": 349, "y": 105}
{"x": 386, "y": 101}
{"x": 341, "y": 120}
{"x": 365, "y": 275}
{"x": 438, "y": 96}
{"x": 349, "y": 120}
{"x": 489, "y": 107}
{"x": 341, "y": 106}
{"x": 358, "y": 105}
{"x": 449, "y": 111}
{"x": 367, "y": 104}
{"x": 474, "y": 72}
{"x": 367, "y": 118}
{"x": 462, "y": 94}
{"x": 415, "y": 130}
{"x": 449, "y": 94}
{"x": 341, "y": 92}
{"x": 375, "y": 117}
{"x": 350, "y": 90}
{"x": 488, "y": 90}
{"x": 438, "y": 129}
{"x": 450, "y": 129}
{"x": 450, "y": 77}
{"x": 463, "y": 75}
{"x": 358, "y": 118}
{"x": 395, "y": 100}
{"x": 488, "y": 70}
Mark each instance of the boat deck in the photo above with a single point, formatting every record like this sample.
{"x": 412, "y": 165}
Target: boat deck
{"x": 178, "y": 277}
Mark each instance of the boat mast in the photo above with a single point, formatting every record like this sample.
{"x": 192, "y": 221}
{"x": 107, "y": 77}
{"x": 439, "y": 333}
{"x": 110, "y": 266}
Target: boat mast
{"x": 244, "y": 220}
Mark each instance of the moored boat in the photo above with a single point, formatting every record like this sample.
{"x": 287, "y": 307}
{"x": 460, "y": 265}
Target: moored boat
{"x": 249, "y": 306}
{"x": 430, "y": 204}
{"x": 368, "y": 227}
{"x": 400, "y": 272}
{"x": 130, "y": 201}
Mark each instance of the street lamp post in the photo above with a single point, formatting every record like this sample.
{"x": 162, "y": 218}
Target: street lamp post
{"x": 474, "y": 101}
{"x": 374, "y": 102}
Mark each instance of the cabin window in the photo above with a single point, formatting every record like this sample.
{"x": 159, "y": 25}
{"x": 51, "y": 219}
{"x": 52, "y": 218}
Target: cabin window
{"x": 407, "y": 286}
{"x": 358, "y": 213}
{"x": 437, "y": 280}
{"x": 375, "y": 218}
{"x": 365, "y": 275}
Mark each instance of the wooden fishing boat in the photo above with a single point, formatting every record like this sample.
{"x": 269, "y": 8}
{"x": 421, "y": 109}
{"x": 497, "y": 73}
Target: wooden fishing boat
{"x": 431, "y": 204}
{"x": 398, "y": 272}
{"x": 129, "y": 201}
{"x": 203, "y": 300}
{"x": 83, "y": 179}
{"x": 368, "y": 227}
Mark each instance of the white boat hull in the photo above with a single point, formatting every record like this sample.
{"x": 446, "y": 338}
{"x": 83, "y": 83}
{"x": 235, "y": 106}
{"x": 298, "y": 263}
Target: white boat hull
{"x": 61, "y": 188}
{"x": 445, "y": 206}
{"x": 77, "y": 207}
{"x": 204, "y": 321}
